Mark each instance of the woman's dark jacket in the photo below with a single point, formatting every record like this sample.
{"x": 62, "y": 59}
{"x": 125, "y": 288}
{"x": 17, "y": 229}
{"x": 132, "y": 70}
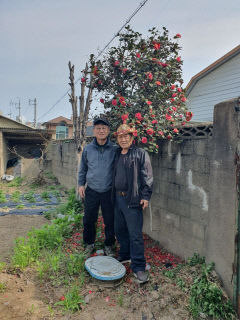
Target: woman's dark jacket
{"x": 139, "y": 175}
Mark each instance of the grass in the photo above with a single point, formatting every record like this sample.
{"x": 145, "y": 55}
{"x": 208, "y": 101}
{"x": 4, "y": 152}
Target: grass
{"x": 16, "y": 182}
{"x": 2, "y": 197}
{"x": 16, "y": 196}
{"x": 20, "y": 206}
{"x": 44, "y": 249}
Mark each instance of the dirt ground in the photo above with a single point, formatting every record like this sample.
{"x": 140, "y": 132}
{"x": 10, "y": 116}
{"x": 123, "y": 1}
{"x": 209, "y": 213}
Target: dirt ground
{"x": 25, "y": 298}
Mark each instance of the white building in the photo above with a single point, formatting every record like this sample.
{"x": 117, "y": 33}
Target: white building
{"x": 218, "y": 82}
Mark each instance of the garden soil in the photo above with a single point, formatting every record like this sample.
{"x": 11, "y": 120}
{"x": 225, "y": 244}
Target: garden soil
{"x": 25, "y": 298}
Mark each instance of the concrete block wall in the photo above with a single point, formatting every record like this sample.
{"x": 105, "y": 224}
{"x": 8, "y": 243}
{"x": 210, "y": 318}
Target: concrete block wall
{"x": 180, "y": 201}
{"x": 62, "y": 162}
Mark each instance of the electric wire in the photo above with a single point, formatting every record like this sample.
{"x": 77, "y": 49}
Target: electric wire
{"x": 100, "y": 53}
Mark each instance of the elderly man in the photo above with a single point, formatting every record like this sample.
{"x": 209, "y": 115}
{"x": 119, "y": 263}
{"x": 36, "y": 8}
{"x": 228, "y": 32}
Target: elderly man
{"x": 96, "y": 170}
{"x": 132, "y": 186}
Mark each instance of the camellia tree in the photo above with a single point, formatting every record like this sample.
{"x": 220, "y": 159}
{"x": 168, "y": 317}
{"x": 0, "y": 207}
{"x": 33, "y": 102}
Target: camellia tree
{"x": 141, "y": 84}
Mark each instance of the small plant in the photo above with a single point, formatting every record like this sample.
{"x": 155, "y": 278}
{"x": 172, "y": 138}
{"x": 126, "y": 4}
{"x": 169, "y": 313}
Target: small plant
{"x": 169, "y": 273}
{"x": 16, "y": 195}
{"x": 72, "y": 300}
{"x": 181, "y": 283}
{"x": 120, "y": 299}
{"x": 3, "y": 287}
{"x": 75, "y": 264}
{"x": 45, "y": 195}
{"x": 2, "y": 197}
{"x": 20, "y": 206}
{"x": 49, "y": 175}
{"x": 206, "y": 297}
{"x": 30, "y": 196}
{"x": 195, "y": 259}
{"x": 2, "y": 266}
{"x": 16, "y": 182}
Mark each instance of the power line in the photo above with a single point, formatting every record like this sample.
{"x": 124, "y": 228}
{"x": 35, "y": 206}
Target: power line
{"x": 101, "y": 52}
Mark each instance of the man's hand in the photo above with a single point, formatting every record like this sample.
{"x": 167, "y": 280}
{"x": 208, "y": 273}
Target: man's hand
{"x": 144, "y": 203}
{"x": 81, "y": 191}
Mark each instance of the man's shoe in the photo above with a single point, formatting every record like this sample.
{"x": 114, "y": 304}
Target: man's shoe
{"x": 142, "y": 276}
{"x": 120, "y": 259}
{"x": 89, "y": 249}
{"x": 108, "y": 250}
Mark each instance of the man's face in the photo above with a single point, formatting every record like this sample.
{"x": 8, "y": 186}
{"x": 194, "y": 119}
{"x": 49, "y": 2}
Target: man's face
{"x": 101, "y": 131}
{"x": 125, "y": 141}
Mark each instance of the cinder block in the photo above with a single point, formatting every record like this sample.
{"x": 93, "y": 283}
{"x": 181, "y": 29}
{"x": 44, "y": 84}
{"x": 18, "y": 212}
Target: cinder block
{"x": 178, "y": 207}
{"x": 187, "y": 147}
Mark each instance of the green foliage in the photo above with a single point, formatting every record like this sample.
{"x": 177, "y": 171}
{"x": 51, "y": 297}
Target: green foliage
{"x": 16, "y": 182}
{"x": 3, "y": 287}
{"x": 206, "y": 297}
{"x": 30, "y": 196}
{"x": 45, "y": 195}
{"x": 2, "y": 197}
{"x": 195, "y": 259}
{"x": 2, "y": 266}
{"x": 16, "y": 196}
{"x": 75, "y": 264}
{"x": 120, "y": 300}
{"x": 50, "y": 175}
{"x": 20, "y": 206}
{"x": 141, "y": 83}
{"x": 72, "y": 300}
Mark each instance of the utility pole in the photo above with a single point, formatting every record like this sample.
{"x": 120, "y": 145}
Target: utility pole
{"x": 33, "y": 102}
{"x": 10, "y": 113}
{"x": 18, "y": 106}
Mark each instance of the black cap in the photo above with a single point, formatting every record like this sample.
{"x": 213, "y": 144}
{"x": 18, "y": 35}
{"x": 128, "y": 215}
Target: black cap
{"x": 101, "y": 121}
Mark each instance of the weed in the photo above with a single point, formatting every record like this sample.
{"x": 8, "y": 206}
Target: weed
{"x": 195, "y": 259}
{"x": 72, "y": 300}
{"x": 120, "y": 299}
{"x": 181, "y": 283}
{"x": 16, "y": 195}
{"x": 2, "y": 197}
{"x": 45, "y": 195}
{"x": 206, "y": 297}
{"x": 5, "y": 207}
{"x": 16, "y": 182}
{"x": 2, "y": 266}
{"x": 50, "y": 175}
{"x": 75, "y": 264}
{"x": 3, "y": 287}
{"x": 51, "y": 311}
{"x": 20, "y": 206}
{"x": 30, "y": 196}
{"x": 169, "y": 273}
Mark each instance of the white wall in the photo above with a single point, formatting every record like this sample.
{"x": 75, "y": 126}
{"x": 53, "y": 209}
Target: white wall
{"x": 221, "y": 84}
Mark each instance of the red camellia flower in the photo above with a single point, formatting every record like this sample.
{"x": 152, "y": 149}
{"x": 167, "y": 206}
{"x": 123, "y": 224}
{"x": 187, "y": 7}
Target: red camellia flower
{"x": 156, "y": 45}
{"x": 154, "y": 121}
{"x": 135, "y": 133}
{"x": 168, "y": 117}
{"x": 158, "y": 83}
{"x": 183, "y": 123}
{"x": 121, "y": 98}
{"x": 149, "y": 102}
{"x": 102, "y": 100}
{"x": 144, "y": 140}
{"x": 62, "y": 298}
{"x": 178, "y": 59}
{"x": 116, "y": 63}
{"x": 169, "y": 137}
{"x": 114, "y": 102}
{"x": 179, "y": 89}
{"x": 183, "y": 99}
{"x": 174, "y": 108}
{"x": 123, "y": 103}
{"x": 173, "y": 87}
{"x": 138, "y": 55}
{"x": 95, "y": 70}
{"x": 178, "y": 35}
{"x": 172, "y": 99}
{"x": 161, "y": 133}
{"x": 189, "y": 115}
{"x": 138, "y": 116}
{"x": 174, "y": 95}
{"x": 150, "y": 131}
{"x": 149, "y": 76}
{"x": 175, "y": 130}
{"x": 83, "y": 79}
{"x": 164, "y": 65}
{"x": 124, "y": 70}
{"x": 124, "y": 117}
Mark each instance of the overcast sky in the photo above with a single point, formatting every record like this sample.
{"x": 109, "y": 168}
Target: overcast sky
{"x": 39, "y": 37}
